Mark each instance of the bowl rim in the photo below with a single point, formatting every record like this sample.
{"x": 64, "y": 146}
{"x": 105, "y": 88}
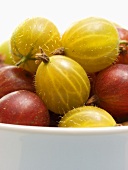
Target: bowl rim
{"x": 63, "y": 130}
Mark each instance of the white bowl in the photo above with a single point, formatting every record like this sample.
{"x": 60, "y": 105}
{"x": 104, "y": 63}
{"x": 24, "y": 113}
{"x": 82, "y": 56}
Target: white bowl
{"x": 53, "y": 148}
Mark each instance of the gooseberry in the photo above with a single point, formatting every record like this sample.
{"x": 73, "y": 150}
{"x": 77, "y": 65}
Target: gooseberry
{"x": 87, "y": 116}
{"x": 123, "y": 55}
{"x": 93, "y": 42}
{"x": 23, "y": 107}
{"x": 5, "y": 52}
{"x": 111, "y": 91}
{"x": 61, "y": 83}
{"x": 29, "y": 36}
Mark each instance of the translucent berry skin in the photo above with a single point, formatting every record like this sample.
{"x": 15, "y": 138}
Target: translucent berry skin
{"x": 29, "y": 36}
{"x": 93, "y": 42}
{"x": 62, "y": 84}
{"x": 87, "y": 116}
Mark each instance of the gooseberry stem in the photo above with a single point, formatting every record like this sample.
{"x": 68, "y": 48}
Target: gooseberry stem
{"x": 125, "y": 42}
{"x": 21, "y": 61}
{"x": 92, "y": 100}
{"x": 59, "y": 51}
{"x": 42, "y": 56}
{"x": 123, "y": 46}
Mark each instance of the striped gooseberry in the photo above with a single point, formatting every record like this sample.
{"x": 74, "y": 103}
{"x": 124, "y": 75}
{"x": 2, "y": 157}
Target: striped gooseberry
{"x": 61, "y": 83}
{"x": 31, "y": 34}
{"x": 93, "y": 42}
{"x": 87, "y": 116}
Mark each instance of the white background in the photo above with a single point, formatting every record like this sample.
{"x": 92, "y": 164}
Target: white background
{"x": 61, "y": 12}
